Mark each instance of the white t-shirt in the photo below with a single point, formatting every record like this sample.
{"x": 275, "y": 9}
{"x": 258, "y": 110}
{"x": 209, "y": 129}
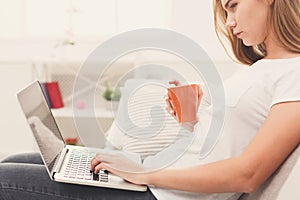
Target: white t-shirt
{"x": 250, "y": 93}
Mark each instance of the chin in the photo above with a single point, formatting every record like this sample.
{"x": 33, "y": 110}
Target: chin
{"x": 249, "y": 42}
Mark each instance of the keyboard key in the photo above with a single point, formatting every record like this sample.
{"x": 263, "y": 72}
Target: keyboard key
{"x": 95, "y": 177}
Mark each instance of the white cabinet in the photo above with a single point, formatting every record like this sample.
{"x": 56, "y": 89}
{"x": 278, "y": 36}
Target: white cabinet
{"x": 65, "y": 119}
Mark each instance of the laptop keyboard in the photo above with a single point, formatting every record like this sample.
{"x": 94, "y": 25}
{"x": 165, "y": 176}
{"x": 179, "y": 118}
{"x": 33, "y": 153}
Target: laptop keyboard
{"x": 78, "y": 166}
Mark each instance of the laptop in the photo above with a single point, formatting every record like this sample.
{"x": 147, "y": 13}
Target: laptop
{"x": 65, "y": 163}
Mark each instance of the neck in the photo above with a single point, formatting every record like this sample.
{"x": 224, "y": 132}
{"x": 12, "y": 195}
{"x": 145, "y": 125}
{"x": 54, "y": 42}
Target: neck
{"x": 280, "y": 53}
{"x": 275, "y": 50}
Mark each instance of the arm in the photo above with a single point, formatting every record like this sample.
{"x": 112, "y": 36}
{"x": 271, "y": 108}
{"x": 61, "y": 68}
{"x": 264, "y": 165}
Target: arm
{"x": 275, "y": 140}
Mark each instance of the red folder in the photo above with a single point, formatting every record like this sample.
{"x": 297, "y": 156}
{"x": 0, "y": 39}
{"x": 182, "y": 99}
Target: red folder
{"x": 54, "y": 94}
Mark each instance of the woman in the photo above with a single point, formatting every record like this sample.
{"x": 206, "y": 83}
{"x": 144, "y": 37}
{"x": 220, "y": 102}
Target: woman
{"x": 262, "y": 105}
{"x": 261, "y": 117}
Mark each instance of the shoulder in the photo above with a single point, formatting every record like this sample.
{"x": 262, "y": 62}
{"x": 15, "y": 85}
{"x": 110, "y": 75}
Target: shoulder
{"x": 277, "y": 72}
{"x": 278, "y": 64}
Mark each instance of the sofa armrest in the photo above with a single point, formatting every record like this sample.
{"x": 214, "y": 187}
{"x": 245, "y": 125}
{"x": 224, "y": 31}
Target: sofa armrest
{"x": 271, "y": 188}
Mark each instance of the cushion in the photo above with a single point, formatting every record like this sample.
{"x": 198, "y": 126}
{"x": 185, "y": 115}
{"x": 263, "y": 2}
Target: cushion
{"x": 142, "y": 125}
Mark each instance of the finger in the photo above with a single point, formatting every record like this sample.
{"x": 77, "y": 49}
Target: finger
{"x": 100, "y": 157}
{"x": 104, "y": 157}
{"x": 168, "y": 105}
{"x": 174, "y": 82}
{"x": 103, "y": 166}
{"x": 169, "y": 108}
{"x": 200, "y": 94}
{"x": 168, "y": 102}
{"x": 99, "y": 167}
{"x": 170, "y": 111}
{"x": 94, "y": 163}
{"x": 167, "y": 98}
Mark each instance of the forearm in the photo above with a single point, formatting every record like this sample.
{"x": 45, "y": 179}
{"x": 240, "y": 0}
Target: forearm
{"x": 222, "y": 176}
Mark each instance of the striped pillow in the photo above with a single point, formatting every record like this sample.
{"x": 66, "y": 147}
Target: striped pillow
{"x": 142, "y": 124}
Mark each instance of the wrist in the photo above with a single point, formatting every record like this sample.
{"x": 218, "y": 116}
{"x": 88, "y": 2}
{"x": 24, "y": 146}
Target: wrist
{"x": 189, "y": 125}
{"x": 146, "y": 179}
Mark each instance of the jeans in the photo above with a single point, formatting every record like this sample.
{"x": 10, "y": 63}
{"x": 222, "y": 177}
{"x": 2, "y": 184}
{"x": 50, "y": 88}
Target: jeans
{"x": 24, "y": 176}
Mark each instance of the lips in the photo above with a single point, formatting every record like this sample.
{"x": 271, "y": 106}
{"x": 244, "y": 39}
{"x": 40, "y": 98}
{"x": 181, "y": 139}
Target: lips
{"x": 237, "y": 34}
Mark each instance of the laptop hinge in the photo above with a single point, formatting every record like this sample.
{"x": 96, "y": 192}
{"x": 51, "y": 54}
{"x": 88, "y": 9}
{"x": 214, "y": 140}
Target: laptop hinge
{"x": 60, "y": 161}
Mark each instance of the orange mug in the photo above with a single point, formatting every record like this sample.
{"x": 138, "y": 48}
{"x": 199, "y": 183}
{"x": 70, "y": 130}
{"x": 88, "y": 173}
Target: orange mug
{"x": 185, "y": 100}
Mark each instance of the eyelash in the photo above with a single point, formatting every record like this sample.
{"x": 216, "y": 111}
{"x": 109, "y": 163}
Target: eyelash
{"x": 232, "y": 6}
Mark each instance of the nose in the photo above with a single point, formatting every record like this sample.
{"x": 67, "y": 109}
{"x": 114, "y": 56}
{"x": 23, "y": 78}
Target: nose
{"x": 230, "y": 21}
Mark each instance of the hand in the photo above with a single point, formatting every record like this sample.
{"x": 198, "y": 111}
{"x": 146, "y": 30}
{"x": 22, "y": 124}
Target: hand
{"x": 189, "y": 125}
{"x": 169, "y": 106}
{"x": 120, "y": 165}
{"x": 174, "y": 82}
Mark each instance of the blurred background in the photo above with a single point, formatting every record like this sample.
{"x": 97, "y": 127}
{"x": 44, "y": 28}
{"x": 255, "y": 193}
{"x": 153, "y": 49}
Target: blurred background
{"x": 49, "y": 40}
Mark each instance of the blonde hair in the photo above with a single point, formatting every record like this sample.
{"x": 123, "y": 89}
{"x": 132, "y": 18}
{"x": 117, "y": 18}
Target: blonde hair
{"x": 284, "y": 19}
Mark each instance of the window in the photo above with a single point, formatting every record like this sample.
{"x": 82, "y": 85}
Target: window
{"x": 141, "y": 13}
{"x": 23, "y": 19}
{"x": 11, "y": 19}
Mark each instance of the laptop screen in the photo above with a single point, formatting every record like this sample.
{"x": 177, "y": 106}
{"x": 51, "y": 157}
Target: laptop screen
{"x": 41, "y": 122}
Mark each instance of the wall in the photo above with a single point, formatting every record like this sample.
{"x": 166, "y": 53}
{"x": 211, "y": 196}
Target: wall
{"x": 192, "y": 18}
{"x": 15, "y": 134}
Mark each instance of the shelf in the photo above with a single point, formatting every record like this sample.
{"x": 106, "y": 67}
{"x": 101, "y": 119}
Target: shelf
{"x": 68, "y": 112}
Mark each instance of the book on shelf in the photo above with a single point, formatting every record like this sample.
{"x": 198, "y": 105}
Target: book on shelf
{"x": 52, "y": 94}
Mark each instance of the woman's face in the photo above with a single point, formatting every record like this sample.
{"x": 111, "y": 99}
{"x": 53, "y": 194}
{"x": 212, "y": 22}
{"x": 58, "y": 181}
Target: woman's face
{"x": 248, "y": 19}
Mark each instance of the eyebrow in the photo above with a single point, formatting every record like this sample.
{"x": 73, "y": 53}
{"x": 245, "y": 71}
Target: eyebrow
{"x": 226, "y": 4}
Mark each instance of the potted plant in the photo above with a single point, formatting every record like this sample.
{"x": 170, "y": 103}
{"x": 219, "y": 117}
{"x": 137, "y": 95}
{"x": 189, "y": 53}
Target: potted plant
{"x": 112, "y": 96}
